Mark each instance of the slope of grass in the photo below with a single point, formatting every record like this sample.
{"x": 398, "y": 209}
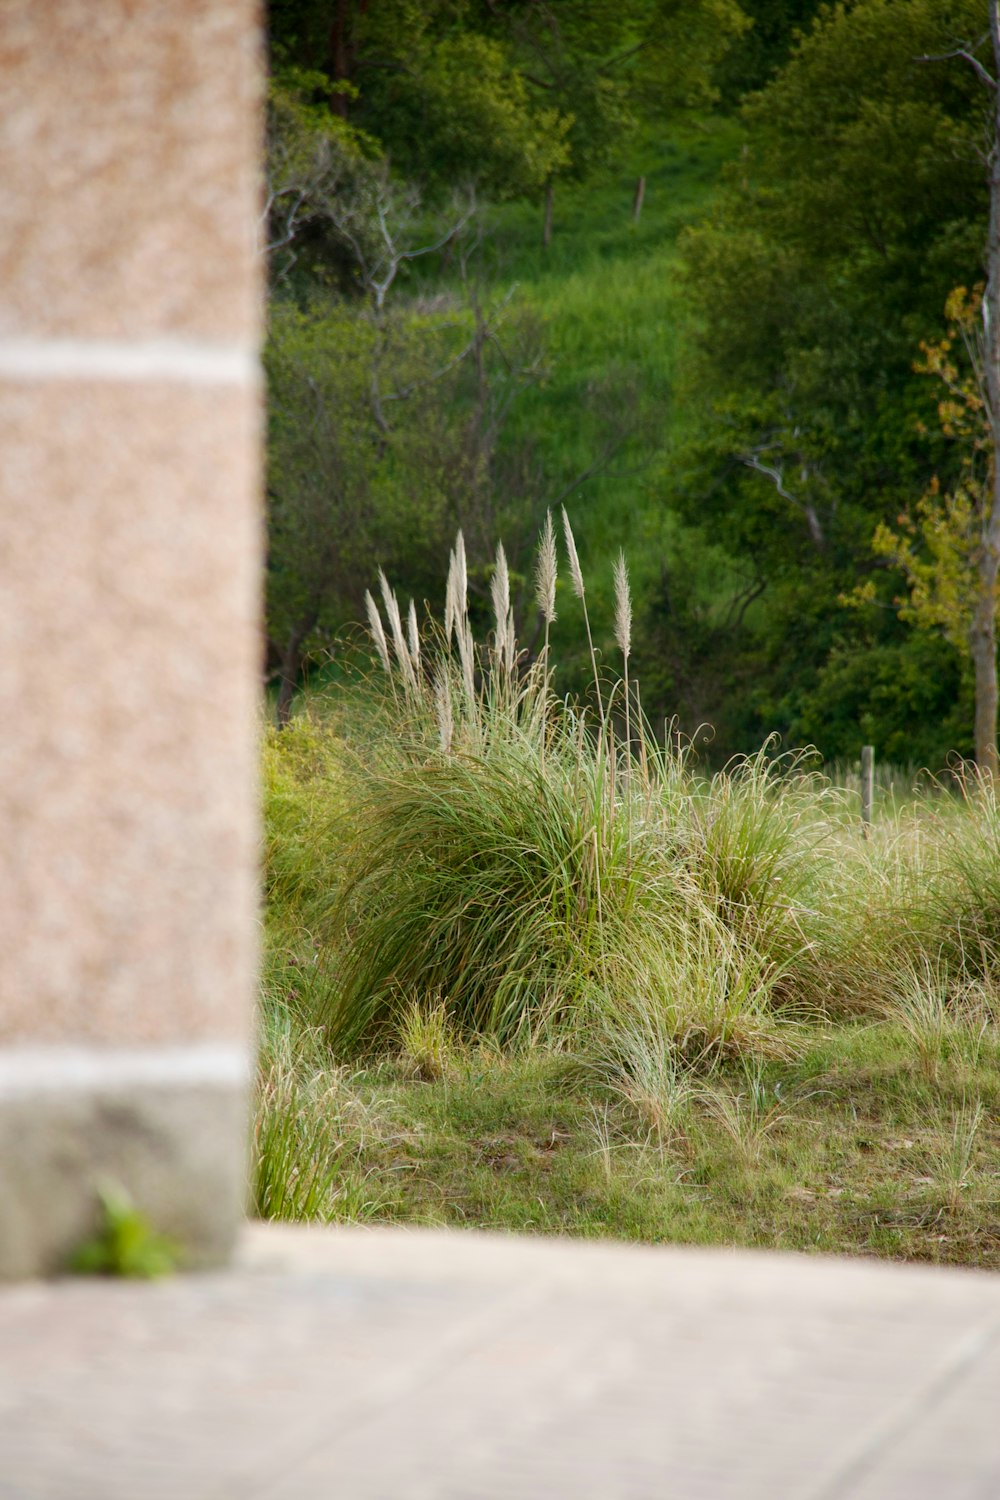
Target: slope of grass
{"x": 519, "y": 977}
{"x": 615, "y": 319}
{"x": 853, "y": 1148}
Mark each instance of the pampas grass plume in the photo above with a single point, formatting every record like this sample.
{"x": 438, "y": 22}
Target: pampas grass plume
{"x": 377, "y": 633}
{"x": 545, "y": 572}
{"x": 449, "y": 600}
{"x": 445, "y": 715}
{"x": 500, "y": 590}
{"x": 414, "y": 637}
{"x": 575, "y": 571}
{"x": 461, "y": 578}
{"x": 623, "y": 607}
{"x": 396, "y": 626}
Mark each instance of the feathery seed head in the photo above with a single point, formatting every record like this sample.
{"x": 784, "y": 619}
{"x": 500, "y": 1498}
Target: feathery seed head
{"x": 500, "y": 590}
{"x": 377, "y": 633}
{"x": 461, "y": 578}
{"x": 467, "y": 656}
{"x": 442, "y": 703}
{"x": 623, "y": 606}
{"x": 545, "y": 571}
{"x": 414, "y": 636}
{"x": 388, "y": 597}
{"x": 449, "y": 600}
{"x": 510, "y": 643}
{"x": 575, "y": 571}
{"x": 456, "y": 601}
{"x": 396, "y": 626}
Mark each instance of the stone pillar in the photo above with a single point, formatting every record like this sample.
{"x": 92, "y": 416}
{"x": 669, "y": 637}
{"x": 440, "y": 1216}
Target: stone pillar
{"x": 129, "y": 635}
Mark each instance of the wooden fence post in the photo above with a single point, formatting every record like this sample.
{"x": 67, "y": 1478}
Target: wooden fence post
{"x": 637, "y": 201}
{"x": 867, "y": 785}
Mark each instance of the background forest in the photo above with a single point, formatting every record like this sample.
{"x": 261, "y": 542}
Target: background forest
{"x": 690, "y": 268}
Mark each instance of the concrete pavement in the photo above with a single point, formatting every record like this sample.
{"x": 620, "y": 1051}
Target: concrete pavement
{"x": 387, "y": 1364}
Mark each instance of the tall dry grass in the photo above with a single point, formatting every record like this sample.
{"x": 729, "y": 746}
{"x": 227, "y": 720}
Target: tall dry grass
{"x": 469, "y": 867}
{"x": 541, "y": 874}
{"x": 511, "y": 868}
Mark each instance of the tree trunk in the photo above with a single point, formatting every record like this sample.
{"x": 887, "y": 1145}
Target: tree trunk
{"x": 547, "y": 224}
{"x": 342, "y": 53}
{"x": 982, "y": 636}
{"x": 291, "y": 666}
{"x": 983, "y": 646}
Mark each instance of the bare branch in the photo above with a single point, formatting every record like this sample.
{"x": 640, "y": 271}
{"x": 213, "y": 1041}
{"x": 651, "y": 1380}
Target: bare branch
{"x": 620, "y": 57}
{"x": 485, "y": 332}
{"x": 966, "y": 56}
{"x": 774, "y": 474}
{"x": 379, "y": 277}
{"x": 742, "y": 600}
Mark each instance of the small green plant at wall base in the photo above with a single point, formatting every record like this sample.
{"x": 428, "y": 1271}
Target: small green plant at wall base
{"x": 126, "y": 1244}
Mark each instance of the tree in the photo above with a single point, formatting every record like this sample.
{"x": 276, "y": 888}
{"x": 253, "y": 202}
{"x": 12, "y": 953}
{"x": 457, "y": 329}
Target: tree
{"x": 314, "y": 164}
{"x": 607, "y": 65}
{"x": 857, "y": 202}
{"x": 764, "y": 48}
{"x": 433, "y": 85}
{"x": 384, "y": 426}
{"x": 982, "y": 636}
{"x": 983, "y": 633}
{"x": 384, "y": 416}
{"x": 510, "y": 95}
{"x": 951, "y": 555}
{"x": 945, "y": 551}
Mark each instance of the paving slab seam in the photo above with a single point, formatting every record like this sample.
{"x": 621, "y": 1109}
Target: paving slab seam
{"x": 880, "y": 1438}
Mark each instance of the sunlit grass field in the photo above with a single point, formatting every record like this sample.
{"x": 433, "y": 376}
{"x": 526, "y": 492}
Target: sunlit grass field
{"x": 528, "y": 968}
{"x": 606, "y": 420}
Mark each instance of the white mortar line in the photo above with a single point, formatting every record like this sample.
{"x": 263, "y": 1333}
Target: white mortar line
{"x": 189, "y": 360}
{"x": 29, "y": 1070}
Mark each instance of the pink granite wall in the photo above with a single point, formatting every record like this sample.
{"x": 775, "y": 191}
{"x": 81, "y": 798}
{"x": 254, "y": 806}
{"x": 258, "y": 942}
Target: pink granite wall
{"x": 129, "y": 554}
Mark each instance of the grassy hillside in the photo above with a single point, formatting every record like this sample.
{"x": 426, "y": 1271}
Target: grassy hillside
{"x": 867, "y": 1142}
{"x": 614, "y": 320}
{"x": 519, "y": 978}
{"x": 866, "y": 1125}
{"x": 603, "y": 423}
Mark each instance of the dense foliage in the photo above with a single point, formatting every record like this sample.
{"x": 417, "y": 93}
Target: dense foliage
{"x": 415, "y": 386}
{"x": 857, "y": 204}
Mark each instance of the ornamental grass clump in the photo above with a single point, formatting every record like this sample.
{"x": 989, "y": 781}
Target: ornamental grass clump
{"x": 512, "y": 864}
{"x": 513, "y": 894}
{"x": 919, "y": 904}
{"x": 762, "y": 829}
{"x": 310, "y": 1129}
{"x": 962, "y": 906}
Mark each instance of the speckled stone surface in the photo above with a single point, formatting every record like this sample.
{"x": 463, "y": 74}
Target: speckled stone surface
{"x": 176, "y": 1150}
{"x": 129, "y": 156}
{"x": 129, "y": 674}
{"x": 130, "y": 547}
{"x": 425, "y": 1365}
